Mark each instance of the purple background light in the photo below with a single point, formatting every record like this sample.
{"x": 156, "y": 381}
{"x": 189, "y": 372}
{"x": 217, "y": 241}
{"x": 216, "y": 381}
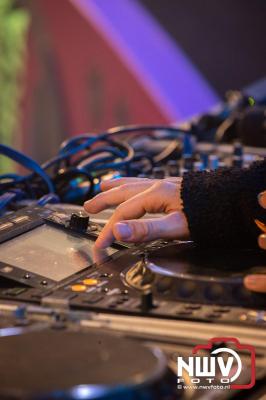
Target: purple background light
{"x": 151, "y": 55}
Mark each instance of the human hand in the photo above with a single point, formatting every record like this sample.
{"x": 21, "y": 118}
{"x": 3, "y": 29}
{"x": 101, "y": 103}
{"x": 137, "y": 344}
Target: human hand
{"x": 133, "y": 198}
{"x": 257, "y": 283}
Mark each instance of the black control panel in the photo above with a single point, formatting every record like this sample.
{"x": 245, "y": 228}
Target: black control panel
{"x": 50, "y": 255}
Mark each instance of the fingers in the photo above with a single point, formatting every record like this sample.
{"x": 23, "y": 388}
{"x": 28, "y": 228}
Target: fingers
{"x": 161, "y": 197}
{"x": 262, "y": 199}
{"x": 262, "y": 241}
{"x": 99, "y": 255}
{"x": 112, "y": 183}
{"x": 107, "y": 185}
{"x": 256, "y": 283}
{"x": 171, "y": 226}
{"x": 115, "y": 196}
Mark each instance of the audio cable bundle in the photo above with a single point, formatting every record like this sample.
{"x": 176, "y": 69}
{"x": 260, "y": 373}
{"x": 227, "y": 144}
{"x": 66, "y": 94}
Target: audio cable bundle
{"x": 73, "y": 175}
{"x": 83, "y": 161}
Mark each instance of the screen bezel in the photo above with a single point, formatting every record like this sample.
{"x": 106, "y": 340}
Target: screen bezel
{"x": 34, "y": 280}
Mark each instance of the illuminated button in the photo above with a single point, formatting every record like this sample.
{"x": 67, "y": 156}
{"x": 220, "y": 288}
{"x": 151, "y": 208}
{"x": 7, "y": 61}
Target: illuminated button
{"x": 243, "y": 317}
{"x": 21, "y": 219}
{"x": 7, "y": 269}
{"x": 78, "y": 288}
{"x": 6, "y": 225}
{"x": 90, "y": 281}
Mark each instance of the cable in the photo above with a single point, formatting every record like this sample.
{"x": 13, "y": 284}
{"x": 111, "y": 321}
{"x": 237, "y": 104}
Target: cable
{"x": 68, "y": 153}
{"x": 118, "y": 130}
{"x": 48, "y": 198}
{"x": 107, "y": 149}
{"x": 9, "y": 197}
{"x": 113, "y": 165}
{"x": 69, "y": 176}
{"x": 28, "y": 163}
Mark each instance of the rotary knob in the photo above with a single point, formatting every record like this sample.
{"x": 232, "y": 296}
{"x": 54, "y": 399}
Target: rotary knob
{"x": 146, "y": 303}
{"x": 79, "y": 221}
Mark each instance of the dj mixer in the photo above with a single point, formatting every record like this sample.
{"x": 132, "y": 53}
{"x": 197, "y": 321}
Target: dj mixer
{"x": 116, "y": 320}
{"x": 78, "y": 323}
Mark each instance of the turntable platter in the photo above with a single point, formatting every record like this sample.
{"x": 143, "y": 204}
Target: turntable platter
{"x": 187, "y": 260}
{"x": 66, "y": 364}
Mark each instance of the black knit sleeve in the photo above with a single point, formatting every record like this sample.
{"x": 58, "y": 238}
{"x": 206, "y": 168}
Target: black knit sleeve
{"x": 221, "y": 205}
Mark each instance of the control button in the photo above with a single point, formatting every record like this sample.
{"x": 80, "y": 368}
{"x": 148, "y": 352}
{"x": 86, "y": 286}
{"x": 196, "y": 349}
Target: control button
{"x": 213, "y": 315}
{"x": 78, "y": 288}
{"x": 187, "y": 289}
{"x": 120, "y": 301}
{"x": 44, "y": 283}
{"x": 173, "y": 168}
{"x": 112, "y": 305}
{"x": 6, "y": 225}
{"x": 124, "y": 291}
{"x": 90, "y": 281}
{"x": 184, "y": 312}
{"x": 7, "y": 269}
{"x": 214, "y": 292}
{"x": 21, "y": 316}
{"x": 14, "y": 291}
{"x": 105, "y": 290}
{"x": 193, "y": 306}
{"x": 79, "y": 221}
{"x": 27, "y": 276}
{"x": 257, "y": 316}
{"x": 158, "y": 173}
{"x": 20, "y": 312}
{"x": 20, "y": 219}
{"x": 221, "y": 310}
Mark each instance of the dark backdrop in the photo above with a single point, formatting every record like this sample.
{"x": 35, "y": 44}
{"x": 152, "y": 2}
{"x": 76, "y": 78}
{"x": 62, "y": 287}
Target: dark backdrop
{"x": 225, "y": 39}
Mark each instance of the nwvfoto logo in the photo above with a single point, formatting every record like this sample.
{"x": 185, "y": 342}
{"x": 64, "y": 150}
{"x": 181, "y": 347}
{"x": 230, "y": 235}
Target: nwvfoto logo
{"x": 223, "y": 362}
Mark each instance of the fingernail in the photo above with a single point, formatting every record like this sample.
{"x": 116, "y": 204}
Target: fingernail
{"x": 252, "y": 280}
{"x": 262, "y": 199}
{"x": 262, "y": 241}
{"x": 124, "y": 230}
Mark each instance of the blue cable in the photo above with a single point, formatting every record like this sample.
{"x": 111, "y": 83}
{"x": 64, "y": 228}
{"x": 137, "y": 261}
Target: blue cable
{"x": 69, "y": 153}
{"x": 48, "y": 198}
{"x": 67, "y": 144}
{"x": 8, "y": 197}
{"x": 28, "y": 163}
{"x": 121, "y": 155}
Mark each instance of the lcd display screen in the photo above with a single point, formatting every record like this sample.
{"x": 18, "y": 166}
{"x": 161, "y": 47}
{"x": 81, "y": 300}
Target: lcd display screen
{"x": 49, "y": 252}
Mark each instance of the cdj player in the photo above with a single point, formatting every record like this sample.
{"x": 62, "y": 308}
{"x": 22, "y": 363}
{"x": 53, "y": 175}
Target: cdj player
{"x": 50, "y": 255}
{"x": 111, "y": 325}
{"x": 134, "y": 322}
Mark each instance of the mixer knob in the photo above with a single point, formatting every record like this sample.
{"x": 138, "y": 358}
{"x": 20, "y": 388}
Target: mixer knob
{"x": 238, "y": 155}
{"x": 173, "y": 168}
{"x": 213, "y": 161}
{"x": 79, "y": 221}
{"x": 158, "y": 173}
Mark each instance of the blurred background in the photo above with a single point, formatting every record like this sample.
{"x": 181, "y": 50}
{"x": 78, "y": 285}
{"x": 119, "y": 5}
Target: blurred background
{"x": 73, "y": 66}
